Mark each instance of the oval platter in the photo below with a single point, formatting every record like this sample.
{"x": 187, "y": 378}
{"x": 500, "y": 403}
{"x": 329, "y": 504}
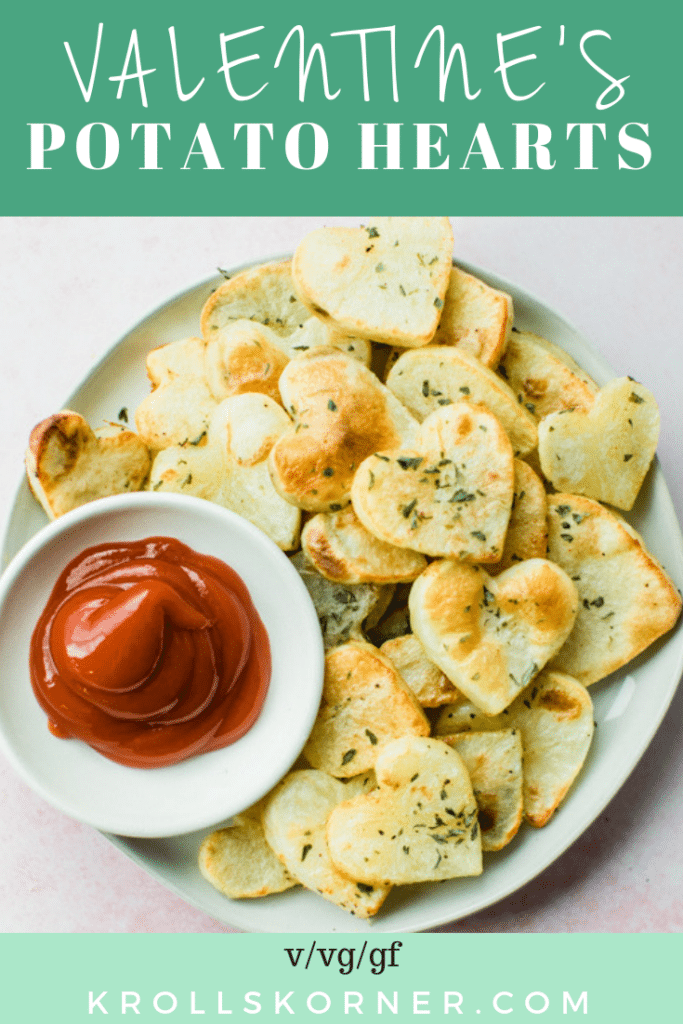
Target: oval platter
{"x": 629, "y": 705}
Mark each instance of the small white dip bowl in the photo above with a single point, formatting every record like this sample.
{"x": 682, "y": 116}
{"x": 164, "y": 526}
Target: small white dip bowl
{"x": 200, "y": 791}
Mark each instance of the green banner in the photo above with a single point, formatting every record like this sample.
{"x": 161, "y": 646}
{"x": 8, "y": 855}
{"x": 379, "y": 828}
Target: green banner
{"x": 463, "y": 977}
{"x": 532, "y": 108}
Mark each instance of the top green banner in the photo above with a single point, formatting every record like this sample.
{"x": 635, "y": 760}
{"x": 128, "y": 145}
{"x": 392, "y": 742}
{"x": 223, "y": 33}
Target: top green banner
{"x": 143, "y": 108}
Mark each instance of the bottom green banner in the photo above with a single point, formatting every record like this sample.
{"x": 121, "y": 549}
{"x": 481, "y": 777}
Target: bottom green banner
{"x": 482, "y": 978}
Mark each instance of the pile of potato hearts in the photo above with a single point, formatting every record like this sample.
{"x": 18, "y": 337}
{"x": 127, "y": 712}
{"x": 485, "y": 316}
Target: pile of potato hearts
{"x": 443, "y": 482}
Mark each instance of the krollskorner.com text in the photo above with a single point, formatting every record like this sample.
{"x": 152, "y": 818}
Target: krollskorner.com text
{"x": 478, "y": 1007}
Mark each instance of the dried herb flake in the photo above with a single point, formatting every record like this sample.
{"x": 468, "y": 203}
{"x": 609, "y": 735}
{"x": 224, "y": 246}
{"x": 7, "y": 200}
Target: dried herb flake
{"x": 409, "y": 462}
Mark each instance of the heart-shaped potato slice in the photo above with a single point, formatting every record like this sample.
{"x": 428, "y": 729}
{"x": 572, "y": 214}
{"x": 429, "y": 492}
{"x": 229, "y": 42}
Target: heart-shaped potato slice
{"x": 386, "y": 281}
{"x": 527, "y": 535}
{"x": 342, "y": 608}
{"x": 294, "y": 822}
{"x": 238, "y": 861}
{"x": 245, "y": 358}
{"x": 67, "y": 465}
{"x": 365, "y": 703}
{"x": 181, "y": 403}
{"x": 450, "y": 493}
{"x": 626, "y": 599}
{"x": 419, "y": 825}
{"x": 342, "y": 550}
{"x": 231, "y": 467}
{"x": 554, "y": 715}
{"x": 342, "y": 414}
{"x": 265, "y": 295}
{"x": 177, "y": 413}
{"x": 440, "y": 374}
{"x": 605, "y": 452}
{"x": 191, "y": 377}
{"x": 543, "y": 377}
{"x": 475, "y": 318}
{"x": 494, "y": 763}
{"x": 431, "y": 687}
{"x": 491, "y": 636}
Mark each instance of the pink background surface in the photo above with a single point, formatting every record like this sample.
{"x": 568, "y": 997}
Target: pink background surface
{"x": 71, "y": 287}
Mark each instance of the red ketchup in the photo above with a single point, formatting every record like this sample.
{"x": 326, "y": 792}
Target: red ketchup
{"x": 150, "y": 652}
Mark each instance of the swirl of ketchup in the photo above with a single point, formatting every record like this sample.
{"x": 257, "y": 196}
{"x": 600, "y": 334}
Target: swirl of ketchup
{"x": 150, "y": 652}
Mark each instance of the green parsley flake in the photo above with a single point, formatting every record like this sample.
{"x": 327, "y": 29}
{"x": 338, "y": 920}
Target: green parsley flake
{"x": 409, "y": 462}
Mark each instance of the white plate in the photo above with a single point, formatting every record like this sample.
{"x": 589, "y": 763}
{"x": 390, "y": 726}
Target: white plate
{"x": 629, "y": 705}
{"x": 199, "y": 791}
